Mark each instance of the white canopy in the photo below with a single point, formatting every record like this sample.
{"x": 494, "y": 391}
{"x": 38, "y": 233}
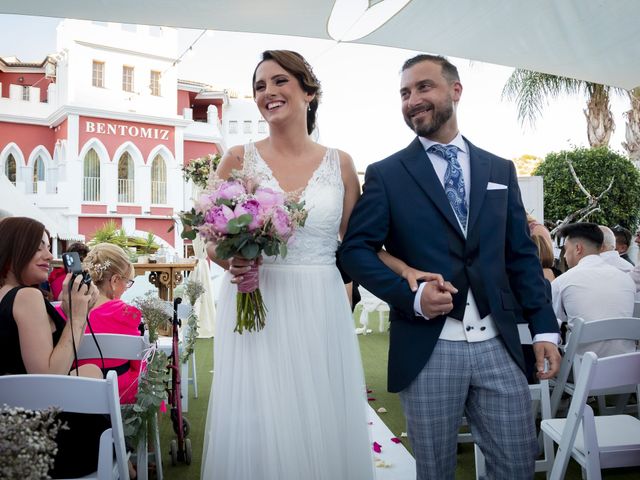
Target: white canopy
{"x": 19, "y": 205}
{"x": 594, "y": 40}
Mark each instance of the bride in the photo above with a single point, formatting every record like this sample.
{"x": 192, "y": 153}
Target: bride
{"x": 288, "y": 402}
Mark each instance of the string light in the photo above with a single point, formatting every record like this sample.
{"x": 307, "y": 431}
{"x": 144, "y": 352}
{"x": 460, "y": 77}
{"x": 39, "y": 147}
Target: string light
{"x": 187, "y": 52}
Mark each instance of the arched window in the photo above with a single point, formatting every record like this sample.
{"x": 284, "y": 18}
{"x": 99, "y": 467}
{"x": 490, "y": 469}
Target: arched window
{"x": 125, "y": 178}
{"x": 10, "y": 168}
{"x": 38, "y": 172}
{"x": 91, "y": 183}
{"x": 158, "y": 181}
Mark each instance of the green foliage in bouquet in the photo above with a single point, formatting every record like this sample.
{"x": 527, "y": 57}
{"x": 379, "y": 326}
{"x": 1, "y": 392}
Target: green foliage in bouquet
{"x": 27, "y": 442}
{"x": 199, "y": 169}
{"x": 595, "y": 167}
{"x": 189, "y": 220}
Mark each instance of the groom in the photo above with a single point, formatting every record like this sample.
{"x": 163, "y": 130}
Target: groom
{"x": 443, "y": 205}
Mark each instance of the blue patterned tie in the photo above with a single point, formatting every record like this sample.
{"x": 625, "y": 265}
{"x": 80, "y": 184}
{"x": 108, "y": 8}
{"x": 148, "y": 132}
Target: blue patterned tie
{"x": 453, "y": 181}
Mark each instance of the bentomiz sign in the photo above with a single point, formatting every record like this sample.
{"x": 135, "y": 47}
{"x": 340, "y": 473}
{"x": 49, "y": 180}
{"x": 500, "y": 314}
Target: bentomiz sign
{"x": 127, "y": 130}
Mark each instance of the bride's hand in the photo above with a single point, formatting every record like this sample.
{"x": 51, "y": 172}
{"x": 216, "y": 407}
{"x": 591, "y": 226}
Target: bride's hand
{"x": 238, "y": 266}
{"x": 412, "y": 275}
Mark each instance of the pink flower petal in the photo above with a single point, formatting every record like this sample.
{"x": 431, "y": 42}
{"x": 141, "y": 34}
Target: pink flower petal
{"x": 377, "y": 447}
{"x": 371, "y": 399}
{"x": 396, "y": 440}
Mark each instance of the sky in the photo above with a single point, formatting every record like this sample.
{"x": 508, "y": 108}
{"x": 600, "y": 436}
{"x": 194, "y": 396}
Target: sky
{"x": 360, "y": 109}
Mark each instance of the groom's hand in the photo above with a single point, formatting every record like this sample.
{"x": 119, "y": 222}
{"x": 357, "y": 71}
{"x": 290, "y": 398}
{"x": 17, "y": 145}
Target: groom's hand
{"x": 437, "y": 298}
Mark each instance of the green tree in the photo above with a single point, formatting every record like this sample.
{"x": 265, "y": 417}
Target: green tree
{"x": 595, "y": 167}
{"x": 532, "y": 91}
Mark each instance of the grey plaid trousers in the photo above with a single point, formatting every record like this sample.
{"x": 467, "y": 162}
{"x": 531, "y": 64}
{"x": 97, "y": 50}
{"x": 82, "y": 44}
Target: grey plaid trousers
{"x": 483, "y": 382}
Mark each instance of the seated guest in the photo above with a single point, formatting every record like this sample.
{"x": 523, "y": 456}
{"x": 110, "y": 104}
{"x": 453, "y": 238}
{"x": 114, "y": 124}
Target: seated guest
{"x": 57, "y": 274}
{"x": 592, "y": 289}
{"x": 609, "y": 253}
{"x": 545, "y": 253}
{"x": 113, "y": 273}
{"x": 623, "y": 241}
{"x": 35, "y": 339}
{"x": 537, "y": 228}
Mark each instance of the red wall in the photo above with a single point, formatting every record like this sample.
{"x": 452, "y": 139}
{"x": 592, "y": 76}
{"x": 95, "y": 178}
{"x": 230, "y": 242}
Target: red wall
{"x": 98, "y": 127}
{"x": 93, "y": 208}
{"x": 158, "y": 227}
{"x": 60, "y": 132}
{"x": 129, "y": 209}
{"x": 183, "y": 101}
{"x": 88, "y": 225}
{"x": 167, "y": 211}
{"x": 29, "y": 79}
{"x": 27, "y": 137}
{"x": 198, "y": 149}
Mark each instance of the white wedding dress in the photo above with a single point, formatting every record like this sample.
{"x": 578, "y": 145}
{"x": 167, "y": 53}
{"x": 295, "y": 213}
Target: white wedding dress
{"x": 289, "y": 402}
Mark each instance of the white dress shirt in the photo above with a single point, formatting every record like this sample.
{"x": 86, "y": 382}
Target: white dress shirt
{"x": 612, "y": 257}
{"x": 592, "y": 290}
{"x": 472, "y": 328}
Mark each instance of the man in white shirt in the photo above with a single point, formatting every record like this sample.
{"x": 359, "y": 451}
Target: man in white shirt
{"x": 591, "y": 289}
{"x": 609, "y": 253}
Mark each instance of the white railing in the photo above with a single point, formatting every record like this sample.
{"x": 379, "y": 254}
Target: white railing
{"x": 125, "y": 190}
{"x": 91, "y": 191}
{"x": 158, "y": 192}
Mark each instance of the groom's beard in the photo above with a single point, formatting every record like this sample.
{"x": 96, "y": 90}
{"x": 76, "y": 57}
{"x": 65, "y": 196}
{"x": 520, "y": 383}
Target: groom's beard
{"x": 439, "y": 116}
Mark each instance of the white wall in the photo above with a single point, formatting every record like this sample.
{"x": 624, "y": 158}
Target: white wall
{"x": 83, "y": 42}
{"x": 239, "y": 110}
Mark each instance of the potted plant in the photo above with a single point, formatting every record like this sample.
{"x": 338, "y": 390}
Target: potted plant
{"x": 145, "y": 246}
{"x": 110, "y": 233}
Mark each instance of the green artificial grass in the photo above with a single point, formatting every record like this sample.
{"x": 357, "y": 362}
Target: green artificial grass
{"x": 373, "y": 348}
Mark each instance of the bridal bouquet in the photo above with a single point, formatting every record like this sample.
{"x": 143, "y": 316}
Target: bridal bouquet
{"x": 244, "y": 219}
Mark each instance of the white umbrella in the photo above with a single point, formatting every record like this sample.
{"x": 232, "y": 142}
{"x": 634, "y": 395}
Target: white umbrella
{"x": 593, "y": 40}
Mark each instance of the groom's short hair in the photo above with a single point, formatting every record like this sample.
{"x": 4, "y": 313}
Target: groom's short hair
{"x": 449, "y": 70}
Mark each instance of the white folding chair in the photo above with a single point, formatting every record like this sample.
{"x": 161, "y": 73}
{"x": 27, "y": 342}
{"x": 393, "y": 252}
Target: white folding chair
{"x": 78, "y": 395}
{"x": 602, "y": 441}
{"x": 127, "y": 347}
{"x": 584, "y": 332}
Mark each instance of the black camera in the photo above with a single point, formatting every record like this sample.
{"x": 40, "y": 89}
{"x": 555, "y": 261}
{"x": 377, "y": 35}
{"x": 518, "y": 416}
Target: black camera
{"x": 73, "y": 265}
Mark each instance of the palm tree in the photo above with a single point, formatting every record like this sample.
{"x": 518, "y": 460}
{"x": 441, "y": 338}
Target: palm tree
{"x": 632, "y": 133}
{"x": 531, "y": 90}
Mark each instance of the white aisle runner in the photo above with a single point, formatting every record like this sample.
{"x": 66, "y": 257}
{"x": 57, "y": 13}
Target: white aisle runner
{"x": 400, "y": 465}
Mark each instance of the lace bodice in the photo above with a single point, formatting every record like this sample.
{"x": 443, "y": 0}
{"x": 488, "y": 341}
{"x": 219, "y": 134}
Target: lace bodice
{"x": 317, "y": 241}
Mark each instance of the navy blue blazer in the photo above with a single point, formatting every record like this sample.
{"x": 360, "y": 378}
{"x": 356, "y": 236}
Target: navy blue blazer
{"x": 404, "y": 208}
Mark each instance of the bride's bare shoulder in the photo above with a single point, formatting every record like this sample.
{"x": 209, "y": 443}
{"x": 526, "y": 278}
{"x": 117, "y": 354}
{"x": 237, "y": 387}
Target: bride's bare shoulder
{"x": 231, "y": 160}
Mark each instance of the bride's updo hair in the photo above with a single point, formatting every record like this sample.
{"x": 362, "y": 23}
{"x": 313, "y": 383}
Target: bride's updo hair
{"x": 105, "y": 260}
{"x": 296, "y": 65}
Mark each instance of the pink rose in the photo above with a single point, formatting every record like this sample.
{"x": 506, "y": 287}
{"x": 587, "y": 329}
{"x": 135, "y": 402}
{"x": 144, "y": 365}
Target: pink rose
{"x": 281, "y": 222}
{"x": 219, "y": 217}
{"x": 268, "y": 198}
{"x": 230, "y": 190}
{"x": 251, "y": 207}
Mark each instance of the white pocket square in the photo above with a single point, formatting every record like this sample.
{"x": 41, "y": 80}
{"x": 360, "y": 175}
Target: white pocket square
{"x": 496, "y": 186}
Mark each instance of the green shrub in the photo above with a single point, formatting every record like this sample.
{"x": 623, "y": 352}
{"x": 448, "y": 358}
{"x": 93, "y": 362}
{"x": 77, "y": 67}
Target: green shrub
{"x": 595, "y": 167}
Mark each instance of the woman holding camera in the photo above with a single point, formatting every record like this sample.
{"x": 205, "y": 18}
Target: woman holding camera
{"x": 35, "y": 339}
{"x": 112, "y": 273}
